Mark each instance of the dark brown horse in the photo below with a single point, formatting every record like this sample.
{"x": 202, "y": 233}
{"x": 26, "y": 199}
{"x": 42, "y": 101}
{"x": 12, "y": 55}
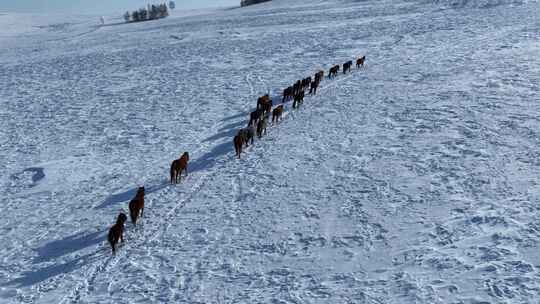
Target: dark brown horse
{"x": 314, "y": 86}
{"x": 347, "y": 66}
{"x": 116, "y": 233}
{"x": 306, "y": 82}
{"x": 360, "y": 61}
{"x": 277, "y": 113}
{"x": 298, "y": 99}
{"x": 287, "y": 94}
{"x": 333, "y": 71}
{"x": 177, "y": 166}
{"x": 297, "y": 87}
{"x": 136, "y": 205}
{"x": 255, "y": 116}
{"x": 266, "y": 106}
{"x": 319, "y": 76}
{"x": 261, "y": 101}
{"x": 261, "y": 127}
{"x": 248, "y": 134}
{"x": 245, "y": 134}
{"x": 238, "y": 143}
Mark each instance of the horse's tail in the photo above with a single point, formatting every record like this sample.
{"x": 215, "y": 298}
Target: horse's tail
{"x": 172, "y": 173}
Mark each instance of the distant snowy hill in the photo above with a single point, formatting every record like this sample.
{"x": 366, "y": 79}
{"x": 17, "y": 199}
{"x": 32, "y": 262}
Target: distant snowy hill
{"x": 411, "y": 180}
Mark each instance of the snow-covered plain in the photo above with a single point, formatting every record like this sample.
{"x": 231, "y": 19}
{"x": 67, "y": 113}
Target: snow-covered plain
{"x": 413, "y": 180}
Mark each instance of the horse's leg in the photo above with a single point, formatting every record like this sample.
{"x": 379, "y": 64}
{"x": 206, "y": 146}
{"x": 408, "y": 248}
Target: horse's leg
{"x": 133, "y": 216}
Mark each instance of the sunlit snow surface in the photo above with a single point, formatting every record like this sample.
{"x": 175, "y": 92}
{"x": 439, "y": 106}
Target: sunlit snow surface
{"x": 413, "y": 180}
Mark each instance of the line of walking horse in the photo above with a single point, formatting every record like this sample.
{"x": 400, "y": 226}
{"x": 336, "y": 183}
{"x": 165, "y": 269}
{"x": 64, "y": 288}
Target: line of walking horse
{"x": 258, "y": 122}
{"x": 258, "y": 119}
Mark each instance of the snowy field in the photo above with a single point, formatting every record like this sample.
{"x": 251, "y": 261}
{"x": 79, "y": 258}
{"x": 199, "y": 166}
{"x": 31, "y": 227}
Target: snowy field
{"x": 413, "y": 180}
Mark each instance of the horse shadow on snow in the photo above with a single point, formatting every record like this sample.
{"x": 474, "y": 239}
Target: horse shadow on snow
{"x": 58, "y": 248}
{"x": 204, "y": 162}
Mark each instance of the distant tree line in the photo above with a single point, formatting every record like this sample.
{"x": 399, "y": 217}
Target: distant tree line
{"x": 151, "y": 13}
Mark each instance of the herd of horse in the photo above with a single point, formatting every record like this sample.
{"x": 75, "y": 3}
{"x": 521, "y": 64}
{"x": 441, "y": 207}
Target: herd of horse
{"x": 257, "y": 124}
{"x": 258, "y": 119}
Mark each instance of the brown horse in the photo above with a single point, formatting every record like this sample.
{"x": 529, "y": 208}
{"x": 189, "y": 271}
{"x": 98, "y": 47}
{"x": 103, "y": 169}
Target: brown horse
{"x": 116, "y": 233}
{"x": 248, "y": 134}
{"x": 306, "y": 82}
{"x": 277, "y": 113}
{"x": 261, "y": 101}
{"x": 244, "y": 134}
{"x": 136, "y": 205}
{"x": 287, "y": 94}
{"x": 333, "y": 71}
{"x": 360, "y": 61}
{"x": 347, "y": 66}
{"x": 314, "y": 86}
{"x": 261, "y": 127}
{"x": 319, "y": 76}
{"x": 297, "y": 87}
{"x": 177, "y": 166}
{"x": 238, "y": 143}
{"x": 267, "y": 107}
{"x": 255, "y": 116}
{"x": 298, "y": 99}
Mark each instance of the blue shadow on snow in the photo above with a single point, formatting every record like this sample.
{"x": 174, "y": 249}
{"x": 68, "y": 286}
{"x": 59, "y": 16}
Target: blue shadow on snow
{"x": 128, "y": 195}
{"x": 70, "y": 244}
{"x": 57, "y": 249}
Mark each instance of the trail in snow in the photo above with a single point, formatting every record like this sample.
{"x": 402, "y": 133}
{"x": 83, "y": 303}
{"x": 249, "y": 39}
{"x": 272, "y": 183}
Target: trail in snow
{"x": 152, "y": 235}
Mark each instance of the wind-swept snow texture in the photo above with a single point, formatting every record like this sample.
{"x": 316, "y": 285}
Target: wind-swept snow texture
{"x": 413, "y": 180}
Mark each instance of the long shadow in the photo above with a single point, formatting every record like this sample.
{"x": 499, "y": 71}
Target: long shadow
{"x": 70, "y": 244}
{"x": 227, "y": 133}
{"x": 235, "y": 116}
{"x": 208, "y": 160}
{"x": 204, "y": 162}
{"x": 36, "y": 276}
{"x": 234, "y": 125}
{"x": 130, "y": 194}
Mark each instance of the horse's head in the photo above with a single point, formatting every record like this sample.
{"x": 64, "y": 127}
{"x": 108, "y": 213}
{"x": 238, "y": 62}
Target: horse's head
{"x": 140, "y": 190}
{"x": 122, "y": 218}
